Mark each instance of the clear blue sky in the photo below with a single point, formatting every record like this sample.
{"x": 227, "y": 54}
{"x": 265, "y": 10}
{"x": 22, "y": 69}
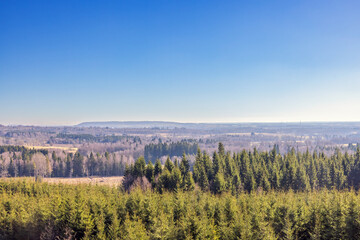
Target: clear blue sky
{"x": 64, "y": 62}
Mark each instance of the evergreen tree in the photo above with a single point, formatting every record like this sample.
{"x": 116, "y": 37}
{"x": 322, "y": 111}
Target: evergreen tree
{"x": 203, "y": 179}
{"x": 92, "y": 164}
{"x": 139, "y": 167}
{"x": 78, "y": 165}
{"x": 12, "y": 169}
{"x": 221, "y": 149}
{"x": 189, "y": 183}
{"x": 219, "y": 183}
{"x": 150, "y": 171}
{"x": 169, "y": 164}
{"x": 184, "y": 165}
{"x": 158, "y": 168}
{"x": 353, "y": 222}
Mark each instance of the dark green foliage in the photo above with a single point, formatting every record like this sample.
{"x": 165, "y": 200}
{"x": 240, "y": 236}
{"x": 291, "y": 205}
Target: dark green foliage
{"x": 251, "y": 171}
{"x": 155, "y": 151}
{"x": 158, "y": 168}
{"x": 150, "y": 172}
{"x": 219, "y": 183}
{"x": 139, "y": 167}
{"x": 78, "y": 165}
{"x": 22, "y": 149}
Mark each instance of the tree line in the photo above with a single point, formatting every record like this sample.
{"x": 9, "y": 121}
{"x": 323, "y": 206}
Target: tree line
{"x": 67, "y": 138}
{"x": 22, "y": 161}
{"x": 219, "y": 172}
{"x": 249, "y": 171}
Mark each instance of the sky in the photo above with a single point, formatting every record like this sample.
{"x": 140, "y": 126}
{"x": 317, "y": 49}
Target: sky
{"x": 66, "y": 62}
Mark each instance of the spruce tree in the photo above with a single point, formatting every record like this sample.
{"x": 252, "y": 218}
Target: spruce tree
{"x": 158, "y": 168}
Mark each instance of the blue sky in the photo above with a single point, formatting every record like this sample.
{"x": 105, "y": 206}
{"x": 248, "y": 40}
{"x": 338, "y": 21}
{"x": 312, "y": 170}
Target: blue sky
{"x": 64, "y": 62}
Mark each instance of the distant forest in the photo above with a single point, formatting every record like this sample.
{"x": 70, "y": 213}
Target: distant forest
{"x": 154, "y": 151}
{"x": 21, "y": 161}
{"x": 66, "y": 138}
{"x": 220, "y": 172}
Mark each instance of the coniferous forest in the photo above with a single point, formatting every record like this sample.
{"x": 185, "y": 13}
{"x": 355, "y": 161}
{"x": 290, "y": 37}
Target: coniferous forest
{"x": 249, "y": 171}
{"x": 179, "y": 120}
{"x": 244, "y": 195}
{"x": 30, "y": 210}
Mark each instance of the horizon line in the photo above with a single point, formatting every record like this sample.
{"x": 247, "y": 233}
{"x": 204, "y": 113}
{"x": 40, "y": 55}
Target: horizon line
{"x": 176, "y": 122}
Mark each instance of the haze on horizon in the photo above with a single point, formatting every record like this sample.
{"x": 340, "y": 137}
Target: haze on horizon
{"x": 64, "y": 62}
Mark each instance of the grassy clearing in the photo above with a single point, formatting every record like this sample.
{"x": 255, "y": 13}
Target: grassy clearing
{"x": 66, "y": 149}
{"x": 105, "y": 181}
{"x": 110, "y": 181}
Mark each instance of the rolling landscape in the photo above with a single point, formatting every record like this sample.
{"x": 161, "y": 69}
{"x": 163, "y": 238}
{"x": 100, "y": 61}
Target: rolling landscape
{"x": 149, "y": 120}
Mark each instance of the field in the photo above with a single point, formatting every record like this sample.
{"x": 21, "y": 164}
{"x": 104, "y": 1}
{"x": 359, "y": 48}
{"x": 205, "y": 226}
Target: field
{"x": 110, "y": 181}
{"x": 66, "y": 149}
{"x": 104, "y": 181}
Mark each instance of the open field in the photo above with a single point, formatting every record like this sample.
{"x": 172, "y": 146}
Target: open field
{"x": 66, "y": 149}
{"x": 110, "y": 181}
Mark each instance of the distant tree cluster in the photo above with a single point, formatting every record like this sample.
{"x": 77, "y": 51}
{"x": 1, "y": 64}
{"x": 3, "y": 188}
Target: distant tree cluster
{"x": 154, "y": 151}
{"x": 70, "y": 138}
{"x": 173, "y": 177}
{"x": 30, "y": 162}
{"x": 22, "y": 149}
{"x": 249, "y": 171}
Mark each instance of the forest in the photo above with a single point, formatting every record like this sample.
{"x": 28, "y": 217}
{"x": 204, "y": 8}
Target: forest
{"x": 217, "y": 172}
{"x": 33, "y": 210}
{"x": 18, "y": 161}
{"x": 70, "y": 138}
{"x": 249, "y": 171}
{"x": 223, "y": 195}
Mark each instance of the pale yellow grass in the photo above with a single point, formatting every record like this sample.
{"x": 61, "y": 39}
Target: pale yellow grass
{"x": 111, "y": 181}
{"x": 66, "y": 149}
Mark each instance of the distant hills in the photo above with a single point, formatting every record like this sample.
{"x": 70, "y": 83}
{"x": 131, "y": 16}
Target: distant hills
{"x": 162, "y": 125}
{"x": 208, "y": 126}
{"x": 147, "y": 124}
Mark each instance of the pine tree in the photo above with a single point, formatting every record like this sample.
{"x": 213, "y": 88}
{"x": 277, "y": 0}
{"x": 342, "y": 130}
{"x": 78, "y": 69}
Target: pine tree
{"x": 12, "y": 168}
{"x": 216, "y": 163}
{"x": 92, "y": 164}
{"x": 150, "y": 171}
{"x": 78, "y": 166}
{"x": 221, "y": 149}
{"x": 219, "y": 183}
{"x": 176, "y": 180}
{"x": 169, "y": 164}
{"x": 158, "y": 168}
{"x": 189, "y": 183}
{"x": 353, "y": 221}
{"x": 203, "y": 179}
{"x": 184, "y": 165}
{"x": 139, "y": 167}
